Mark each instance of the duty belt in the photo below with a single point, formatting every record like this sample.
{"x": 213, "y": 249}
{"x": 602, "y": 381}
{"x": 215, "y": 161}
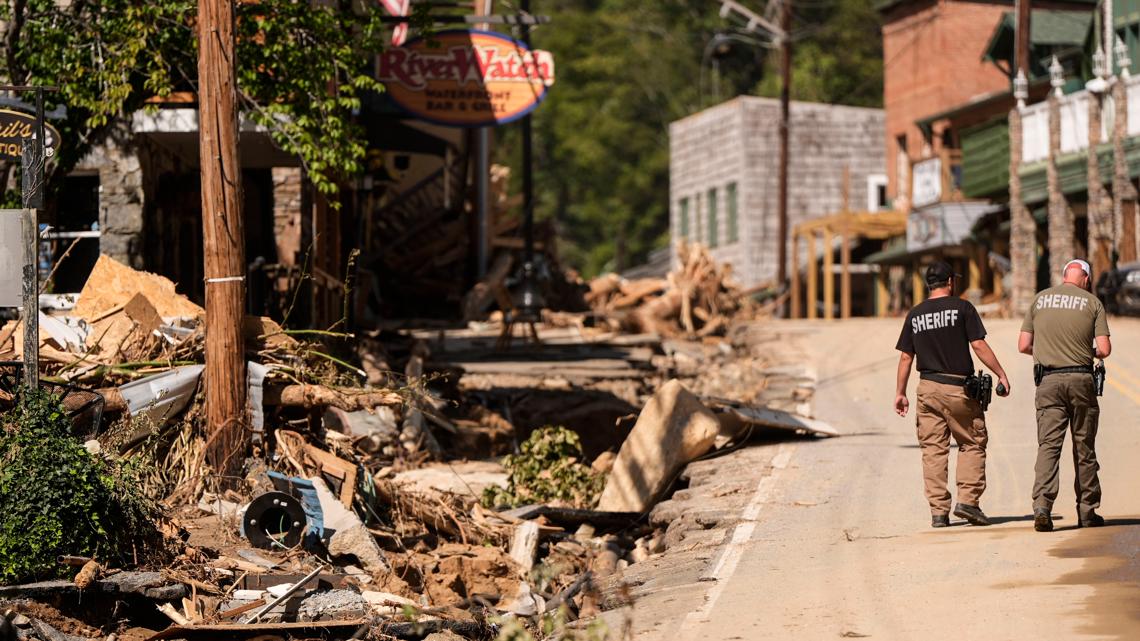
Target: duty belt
{"x": 945, "y": 379}
{"x": 1040, "y": 372}
{"x": 1075, "y": 369}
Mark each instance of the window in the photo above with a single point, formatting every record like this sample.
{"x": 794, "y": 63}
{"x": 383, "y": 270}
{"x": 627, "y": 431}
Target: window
{"x": 902, "y": 168}
{"x": 714, "y": 237}
{"x": 877, "y": 192}
{"x": 683, "y": 222}
{"x": 699, "y": 228}
{"x": 733, "y": 229}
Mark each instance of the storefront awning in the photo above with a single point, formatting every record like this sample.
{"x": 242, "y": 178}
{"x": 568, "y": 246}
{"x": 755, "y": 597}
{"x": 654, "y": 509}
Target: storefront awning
{"x": 944, "y": 224}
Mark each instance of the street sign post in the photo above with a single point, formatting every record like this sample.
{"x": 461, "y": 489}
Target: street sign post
{"x": 33, "y": 152}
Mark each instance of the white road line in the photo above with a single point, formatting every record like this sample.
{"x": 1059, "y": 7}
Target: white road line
{"x": 730, "y": 556}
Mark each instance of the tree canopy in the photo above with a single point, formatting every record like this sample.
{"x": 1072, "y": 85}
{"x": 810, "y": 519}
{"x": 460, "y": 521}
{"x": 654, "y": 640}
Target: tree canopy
{"x": 301, "y": 68}
{"x": 628, "y": 68}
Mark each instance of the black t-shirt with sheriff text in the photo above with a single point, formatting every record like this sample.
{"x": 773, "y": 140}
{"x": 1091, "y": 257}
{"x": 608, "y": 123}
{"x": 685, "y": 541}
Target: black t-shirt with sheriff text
{"x": 939, "y": 331}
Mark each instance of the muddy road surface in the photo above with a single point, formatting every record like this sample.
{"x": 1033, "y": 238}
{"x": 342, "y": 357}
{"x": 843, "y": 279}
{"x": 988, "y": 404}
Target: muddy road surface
{"x": 841, "y": 544}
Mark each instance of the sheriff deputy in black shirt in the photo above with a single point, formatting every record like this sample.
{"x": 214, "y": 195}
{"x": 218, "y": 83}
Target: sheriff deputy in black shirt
{"x": 940, "y": 331}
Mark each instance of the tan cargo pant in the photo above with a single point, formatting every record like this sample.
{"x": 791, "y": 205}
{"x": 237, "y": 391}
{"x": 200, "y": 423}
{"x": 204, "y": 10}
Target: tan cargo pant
{"x": 1067, "y": 401}
{"x": 945, "y": 410}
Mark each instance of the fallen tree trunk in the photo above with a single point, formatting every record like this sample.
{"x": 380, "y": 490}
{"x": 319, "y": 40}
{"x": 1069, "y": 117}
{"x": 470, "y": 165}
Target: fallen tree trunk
{"x": 310, "y": 396}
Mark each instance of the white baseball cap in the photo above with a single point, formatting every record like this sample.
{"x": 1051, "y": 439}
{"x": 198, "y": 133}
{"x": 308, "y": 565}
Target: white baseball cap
{"x": 1080, "y": 263}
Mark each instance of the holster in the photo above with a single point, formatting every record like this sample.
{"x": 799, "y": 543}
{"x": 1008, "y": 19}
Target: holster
{"x": 980, "y": 388}
{"x": 1099, "y": 376}
{"x": 1038, "y": 374}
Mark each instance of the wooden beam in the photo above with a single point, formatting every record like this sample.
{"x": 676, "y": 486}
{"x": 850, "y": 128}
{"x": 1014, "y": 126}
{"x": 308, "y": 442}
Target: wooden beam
{"x": 812, "y": 278}
{"x": 975, "y": 268}
{"x": 882, "y": 291}
{"x": 998, "y": 284}
{"x": 828, "y": 276}
{"x": 918, "y": 287}
{"x": 845, "y": 275}
{"x": 797, "y": 312}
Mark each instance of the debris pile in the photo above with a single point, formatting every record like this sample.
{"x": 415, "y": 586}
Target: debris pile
{"x": 378, "y": 500}
{"x": 700, "y": 298}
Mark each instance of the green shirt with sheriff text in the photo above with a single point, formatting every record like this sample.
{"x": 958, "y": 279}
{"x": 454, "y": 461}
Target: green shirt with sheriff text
{"x": 1065, "y": 321}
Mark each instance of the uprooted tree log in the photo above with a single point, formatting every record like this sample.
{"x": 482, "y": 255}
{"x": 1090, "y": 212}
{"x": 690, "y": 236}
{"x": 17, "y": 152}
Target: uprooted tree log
{"x": 310, "y": 396}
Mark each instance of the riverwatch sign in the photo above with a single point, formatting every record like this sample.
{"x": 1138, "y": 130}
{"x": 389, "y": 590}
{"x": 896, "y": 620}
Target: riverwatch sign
{"x": 466, "y": 78}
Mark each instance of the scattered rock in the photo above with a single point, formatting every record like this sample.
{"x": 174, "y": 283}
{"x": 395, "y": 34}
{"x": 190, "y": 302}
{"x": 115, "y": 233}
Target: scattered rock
{"x": 386, "y": 603}
{"x": 350, "y": 537}
{"x": 604, "y": 463}
{"x": 468, "y": 478}
{"x": 332, "y": 605}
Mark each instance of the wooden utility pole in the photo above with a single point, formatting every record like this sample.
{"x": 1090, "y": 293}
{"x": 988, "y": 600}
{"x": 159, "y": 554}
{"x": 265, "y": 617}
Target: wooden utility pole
{"x": 1023, "y": 228}
{"x": 223, "y": 238}
{"x": 785, "y": 40}
{"x": 782, "y": 34}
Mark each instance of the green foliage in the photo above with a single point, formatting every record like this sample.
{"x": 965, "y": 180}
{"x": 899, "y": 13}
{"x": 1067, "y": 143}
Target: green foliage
{"x": 547, "y": 469}
{"x": 301, "y": 68}
{"x": 625, "y": 70}
{"x": 56, "y": 498}
{"x": 838, "y": 59}
{"x": 552, "y": 626}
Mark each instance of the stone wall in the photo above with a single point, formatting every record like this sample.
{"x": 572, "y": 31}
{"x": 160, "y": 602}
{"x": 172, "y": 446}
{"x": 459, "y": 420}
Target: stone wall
{"x": 738, "y": 142}
{"x": 287, "y": 213}
{"x": 121, "y": 197}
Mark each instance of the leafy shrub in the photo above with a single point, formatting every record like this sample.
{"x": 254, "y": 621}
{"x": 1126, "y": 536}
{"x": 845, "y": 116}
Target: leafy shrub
{"x": 57, "y": 498}
{"x": 548, "y": 469}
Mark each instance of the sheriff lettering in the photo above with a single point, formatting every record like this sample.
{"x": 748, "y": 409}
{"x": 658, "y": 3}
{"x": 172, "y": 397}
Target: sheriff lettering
{"x": 1062, "y": 301}
{"x": 934, "y": 320}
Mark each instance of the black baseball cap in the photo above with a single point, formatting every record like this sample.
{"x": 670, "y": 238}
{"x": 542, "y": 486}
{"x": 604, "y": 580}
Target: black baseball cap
{"x": 940, "y": 272}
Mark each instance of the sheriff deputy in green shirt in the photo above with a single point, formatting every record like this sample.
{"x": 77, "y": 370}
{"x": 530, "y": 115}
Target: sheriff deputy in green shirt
{"x": 1065, "y": 328}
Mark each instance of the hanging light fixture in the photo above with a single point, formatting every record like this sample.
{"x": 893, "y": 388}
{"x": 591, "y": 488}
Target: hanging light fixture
{"x": 528, "y": 298}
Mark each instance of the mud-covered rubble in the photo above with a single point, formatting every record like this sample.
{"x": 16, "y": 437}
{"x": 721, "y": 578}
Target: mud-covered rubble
{"x": 376, "y": 500}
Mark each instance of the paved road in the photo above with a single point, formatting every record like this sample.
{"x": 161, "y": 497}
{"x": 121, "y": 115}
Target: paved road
{"x": 841, "y": 545}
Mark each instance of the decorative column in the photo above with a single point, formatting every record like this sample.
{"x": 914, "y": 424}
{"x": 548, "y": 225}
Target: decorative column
{"x": 1123, "y": 191}
{"x": 1023, "y": 229}
{"x": 1100, "y": 216}
{"x": 1060, "y": 216}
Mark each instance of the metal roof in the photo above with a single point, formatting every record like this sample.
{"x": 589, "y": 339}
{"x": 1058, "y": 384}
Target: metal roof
{"x": 1047, "y": 28}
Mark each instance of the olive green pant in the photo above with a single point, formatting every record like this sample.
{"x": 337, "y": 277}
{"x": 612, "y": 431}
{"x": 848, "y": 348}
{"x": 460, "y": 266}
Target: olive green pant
{"x": 945, "y": 410}
{"x": 1067, "y": 401}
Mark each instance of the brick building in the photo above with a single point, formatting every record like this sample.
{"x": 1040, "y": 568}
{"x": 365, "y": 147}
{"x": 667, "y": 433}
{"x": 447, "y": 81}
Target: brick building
{"x": 723, "y": 184}
{"x": 934, "y": 59}
{"x": 947, "y": 74}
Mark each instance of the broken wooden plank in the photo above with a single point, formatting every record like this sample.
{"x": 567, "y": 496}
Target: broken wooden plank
{"x": 241, "y": 609}
{"x": 301, "y": 629}
{"x": 571, "y": 519}
{"x": 524, "y": 544}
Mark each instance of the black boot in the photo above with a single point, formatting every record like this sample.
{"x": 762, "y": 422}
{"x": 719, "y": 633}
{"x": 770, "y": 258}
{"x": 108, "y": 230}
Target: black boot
{"x": 940, "y": 520}
{"x": 1042, "y": 520}
{"x": 1092, "y": 520}
{"x": 973, "y": 514}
